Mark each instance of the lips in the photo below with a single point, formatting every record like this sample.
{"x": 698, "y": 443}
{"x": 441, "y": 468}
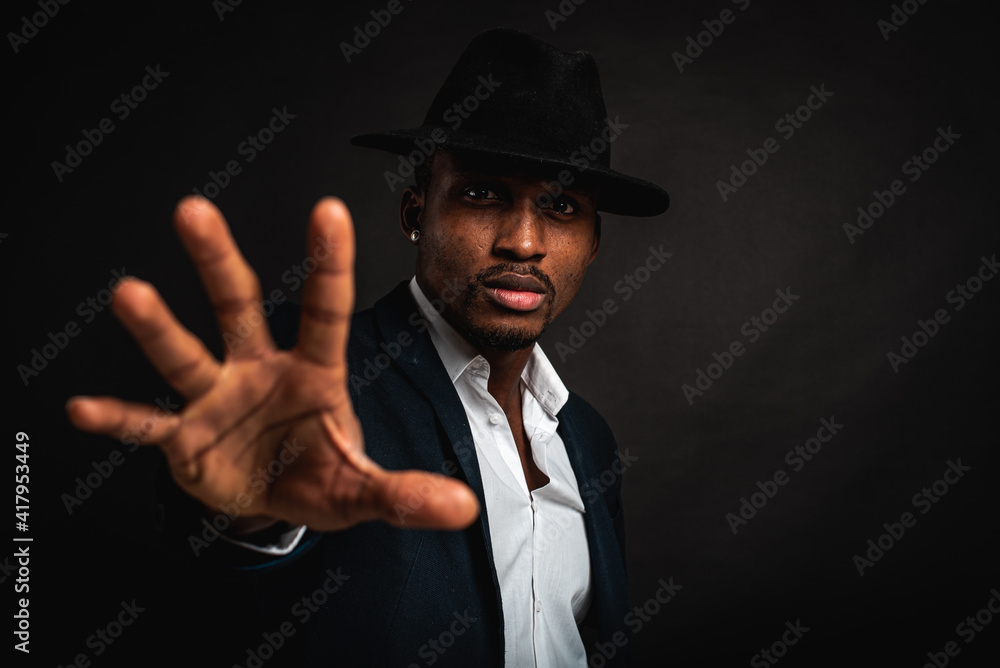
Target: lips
{"x": 516, "y": 292}
{"x": 516, "y": 282}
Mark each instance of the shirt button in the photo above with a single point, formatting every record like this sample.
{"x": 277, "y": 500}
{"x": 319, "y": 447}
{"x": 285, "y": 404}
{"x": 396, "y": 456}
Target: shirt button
{"x": 534, "y": 504}
{"x": 496, "y": 419}
{"x": 538, "y": 606}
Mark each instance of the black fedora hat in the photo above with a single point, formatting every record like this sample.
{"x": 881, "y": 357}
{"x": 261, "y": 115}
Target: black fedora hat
{"x": 515, "y": 96}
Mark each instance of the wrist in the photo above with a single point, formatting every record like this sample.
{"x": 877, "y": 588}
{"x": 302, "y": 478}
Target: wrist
{"x": 240, "y": 525}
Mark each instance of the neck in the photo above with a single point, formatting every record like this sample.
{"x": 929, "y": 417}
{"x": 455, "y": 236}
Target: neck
{"x": 505, "y": 375}
{"x": 505, "y": 366}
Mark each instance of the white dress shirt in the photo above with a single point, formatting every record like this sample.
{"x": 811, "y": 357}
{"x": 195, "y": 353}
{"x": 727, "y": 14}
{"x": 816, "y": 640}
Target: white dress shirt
{"x": 539, "y": 538}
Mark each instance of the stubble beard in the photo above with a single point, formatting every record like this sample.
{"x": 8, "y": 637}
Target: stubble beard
{"x": 506, "y": 337}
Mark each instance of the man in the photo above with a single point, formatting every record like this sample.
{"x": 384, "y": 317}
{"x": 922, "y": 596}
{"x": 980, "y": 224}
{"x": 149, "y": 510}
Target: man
{"x": 442, "y": 378}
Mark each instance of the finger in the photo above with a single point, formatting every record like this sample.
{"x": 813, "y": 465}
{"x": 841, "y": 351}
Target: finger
{"x": 328, "y": 298}
{"x": 410, "y": 499}
{"x": 232, "y": 286}
{"x": 132, "y": 423}
{"x": 179, "y": 356}
{"x": 421, "y": 500}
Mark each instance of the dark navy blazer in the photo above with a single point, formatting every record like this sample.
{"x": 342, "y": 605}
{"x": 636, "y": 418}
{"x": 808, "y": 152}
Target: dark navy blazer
{"x": 382, "y": 596}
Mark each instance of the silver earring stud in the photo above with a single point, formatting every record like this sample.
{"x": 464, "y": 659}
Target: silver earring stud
{"x": 415, "y": 236}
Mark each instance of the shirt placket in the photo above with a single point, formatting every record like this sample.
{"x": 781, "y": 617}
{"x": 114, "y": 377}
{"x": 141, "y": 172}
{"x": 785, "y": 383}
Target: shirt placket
{"x": 536, "y": 595}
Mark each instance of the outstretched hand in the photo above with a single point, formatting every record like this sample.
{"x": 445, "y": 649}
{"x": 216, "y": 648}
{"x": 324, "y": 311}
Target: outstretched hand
{"x": 261, "y": 404}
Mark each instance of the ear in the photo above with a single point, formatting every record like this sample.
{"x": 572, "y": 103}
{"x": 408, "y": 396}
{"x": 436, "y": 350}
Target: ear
{"x": 411, "y": 208}
{"x": 597, "y": 238}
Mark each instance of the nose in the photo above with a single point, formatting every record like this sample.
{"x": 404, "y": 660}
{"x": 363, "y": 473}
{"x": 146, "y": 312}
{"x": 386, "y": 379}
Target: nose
{"x": 521, "y": 232}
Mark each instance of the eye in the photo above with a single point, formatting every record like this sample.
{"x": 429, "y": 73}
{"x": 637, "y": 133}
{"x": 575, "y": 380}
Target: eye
{"x": 480, "y": 193}
{"x": 564, "y": 206}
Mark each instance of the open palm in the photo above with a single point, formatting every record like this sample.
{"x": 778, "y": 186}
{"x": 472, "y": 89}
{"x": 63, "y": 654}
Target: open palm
{"x": 270, "y": 432}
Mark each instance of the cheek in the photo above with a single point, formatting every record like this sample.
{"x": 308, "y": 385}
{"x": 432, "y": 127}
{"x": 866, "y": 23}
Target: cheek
{"x": 570, "y": 278}
{"x": 574, "y": 256}
{"x": 437, "y": 258}
{"x": 448, "y": 256}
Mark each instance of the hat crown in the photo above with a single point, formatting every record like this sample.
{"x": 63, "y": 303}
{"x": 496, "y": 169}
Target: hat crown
{"x": 513, "y": 96}
{"x": 511, "y": 86}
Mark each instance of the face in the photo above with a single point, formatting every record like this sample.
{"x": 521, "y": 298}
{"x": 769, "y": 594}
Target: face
{"x": 516, "y": 250}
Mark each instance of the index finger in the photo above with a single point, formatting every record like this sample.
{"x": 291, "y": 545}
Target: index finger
{"x": 328, "y": 297}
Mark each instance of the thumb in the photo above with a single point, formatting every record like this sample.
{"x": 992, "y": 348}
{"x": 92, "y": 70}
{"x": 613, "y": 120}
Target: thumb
{"x": 422, "y": 500}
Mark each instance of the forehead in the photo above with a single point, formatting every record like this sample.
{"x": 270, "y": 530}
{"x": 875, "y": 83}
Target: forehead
{"x": 452, "y": 164}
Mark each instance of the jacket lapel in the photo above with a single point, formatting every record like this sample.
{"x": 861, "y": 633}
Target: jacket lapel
{"x": 610, "y": 597}
{"x": 397, "y": 314}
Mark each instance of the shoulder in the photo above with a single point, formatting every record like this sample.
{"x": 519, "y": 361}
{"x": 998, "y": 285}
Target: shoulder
{"x": 581, "y": 425}
{"x": 578, "y": 410}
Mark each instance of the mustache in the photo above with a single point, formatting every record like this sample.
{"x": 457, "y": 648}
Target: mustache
{"x": 512, "y": 268}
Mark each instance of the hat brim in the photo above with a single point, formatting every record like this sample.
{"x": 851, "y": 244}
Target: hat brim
{"x": 619, "y": 193}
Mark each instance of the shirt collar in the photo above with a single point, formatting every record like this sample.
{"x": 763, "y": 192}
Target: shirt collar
{"x": 457, "y": 355}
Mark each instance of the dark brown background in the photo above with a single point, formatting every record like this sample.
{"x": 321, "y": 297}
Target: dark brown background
{"x": 825, "y": 357}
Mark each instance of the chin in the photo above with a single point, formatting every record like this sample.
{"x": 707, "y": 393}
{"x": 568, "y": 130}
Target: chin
{"x": 506, "y": 338}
